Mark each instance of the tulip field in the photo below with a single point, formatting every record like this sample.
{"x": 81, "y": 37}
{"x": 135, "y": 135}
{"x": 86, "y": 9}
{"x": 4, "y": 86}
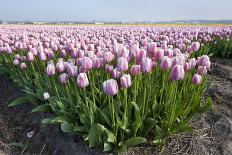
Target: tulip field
{"x": 115, "y": 86}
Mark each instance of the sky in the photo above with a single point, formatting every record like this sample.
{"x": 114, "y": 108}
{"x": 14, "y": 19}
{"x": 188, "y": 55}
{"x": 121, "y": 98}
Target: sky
{"x": 114, "y": 10}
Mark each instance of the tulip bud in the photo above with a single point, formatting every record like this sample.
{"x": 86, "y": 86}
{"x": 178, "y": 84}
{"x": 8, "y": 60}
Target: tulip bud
{"x": 122, "y": 64}
{"x": 110, "y": 87}
{"x": 196, "y": 80}
{"x": 125, "y": 81}
{"x": 46, "y": 96}
{"x": 82, "y": 80}
{"x": 177, "y": 73}
{"x": 135, "y": 70}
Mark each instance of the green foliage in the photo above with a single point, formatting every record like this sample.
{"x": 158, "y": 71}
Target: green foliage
{"x": 153, "y": 104}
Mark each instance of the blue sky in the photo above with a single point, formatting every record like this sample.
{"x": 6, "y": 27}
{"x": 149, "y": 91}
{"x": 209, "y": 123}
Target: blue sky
{"x": 114, "y": 10}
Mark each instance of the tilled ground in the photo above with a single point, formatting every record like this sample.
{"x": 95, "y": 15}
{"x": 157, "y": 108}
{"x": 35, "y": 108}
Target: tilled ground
{"x": 212, "y": 134}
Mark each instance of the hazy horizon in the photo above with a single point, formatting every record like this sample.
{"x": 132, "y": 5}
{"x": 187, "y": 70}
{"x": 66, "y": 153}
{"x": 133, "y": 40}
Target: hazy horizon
{"x": 115, "y": 11}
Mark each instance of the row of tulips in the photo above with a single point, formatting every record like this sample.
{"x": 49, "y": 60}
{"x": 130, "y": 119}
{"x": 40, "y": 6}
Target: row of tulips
{"x": 113, "y": 85}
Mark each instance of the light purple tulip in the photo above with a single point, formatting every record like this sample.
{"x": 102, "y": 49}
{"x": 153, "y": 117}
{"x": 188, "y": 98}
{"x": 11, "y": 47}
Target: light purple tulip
{"x": 146, "y": 65}
{"x": 195, "y": 46}
{"x": 86, "y": 63}
{"x": 135, "y": 70}
{"x": 204, "y": 61}
{"x": 50, "y": 70}
{"x": 63, "y": 78}
{"x": 159, "y": 54}
{"x": 166, "y": 63}
{"x": 125, "y": 81}
{"x": 202, "y": 70}
{"x": 177, "y": 73}
{"x": 110, "y": 87}
{"x": 122, "y": 64}
{"x": 23, "y": 66}
{"x": 16, "y": 62}
{"x": 196, "y": 80}
{"x": 82, "y": 80}
{"x": 30, "y": 56}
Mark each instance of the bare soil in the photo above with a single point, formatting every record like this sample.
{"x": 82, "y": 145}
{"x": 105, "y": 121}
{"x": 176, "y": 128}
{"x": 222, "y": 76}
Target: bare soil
{"x": 212, "y": 130}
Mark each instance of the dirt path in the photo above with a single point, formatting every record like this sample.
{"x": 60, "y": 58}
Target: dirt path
{"x": 212, "y": 135}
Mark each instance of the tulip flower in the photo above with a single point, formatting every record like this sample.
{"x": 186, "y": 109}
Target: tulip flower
{"x": 82, "y": 80}
{"x": 46, "y": 96}
{"x": 122, "y": 64}
{"x": 23, "y": 66}
{"x": 196, "y": 80}
{"x": 146, "y": 65}
{"x": 16, "y": 62}
{"x": 50, "y": 70}
{"x": 125, "y": 81}
{"x": 202, "y": 70}
{"x": 177, "y": 73}
{"x": 195, "y": 46}
{"x": 30, "y": 56}
{"x": 135, "y": 70}
{"x": 204, "y": 61}
{"x": 166, "y": 63}
{"x": 110, "y": 87}
{"x": 63, "y": 78}
{"x": 159, "y": 54}
{"x": 86, "y": 63}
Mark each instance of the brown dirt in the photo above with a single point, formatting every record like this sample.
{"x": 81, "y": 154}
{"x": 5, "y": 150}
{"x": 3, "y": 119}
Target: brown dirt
{"x": 212, "y": 134}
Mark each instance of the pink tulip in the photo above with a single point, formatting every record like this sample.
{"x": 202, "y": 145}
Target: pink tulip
{"x": 159, "y": 54}
{"x": 82, "y": 80}
{"x": 96, "y": 63}
{"x": 195, "y": 46}
{"x": 50, "y": 70}
{"x": 204, "y": 61}
{"x": 196, "y": 80}
{"x": 116, "y": 74}
{"x": 166, "y": 63}
{"x": 135, "y": 70}
{"x": 186, "y": 66}
{"x": 177, "y": 73}
{"x": 23, "y": 66}
{"x": 110, "y": 87}
{"x": 86, "y": 63}
{"x": 109, "y": 68}
{"x": 202, "y": 70}
{"x": 122, "y": 64}
{"x": 16, "y": 62}
{"x": 42, "y": 56}
{"x": 125, "y": 81}
{"x": 60, "y": 67}
{"x": 30, "y": 56}
{"x": 146, "y": 65}
{"x": 63, "y": 78}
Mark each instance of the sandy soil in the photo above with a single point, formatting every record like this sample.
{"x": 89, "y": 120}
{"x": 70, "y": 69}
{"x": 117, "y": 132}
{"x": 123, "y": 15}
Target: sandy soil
{"x": 212, "y": 134}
